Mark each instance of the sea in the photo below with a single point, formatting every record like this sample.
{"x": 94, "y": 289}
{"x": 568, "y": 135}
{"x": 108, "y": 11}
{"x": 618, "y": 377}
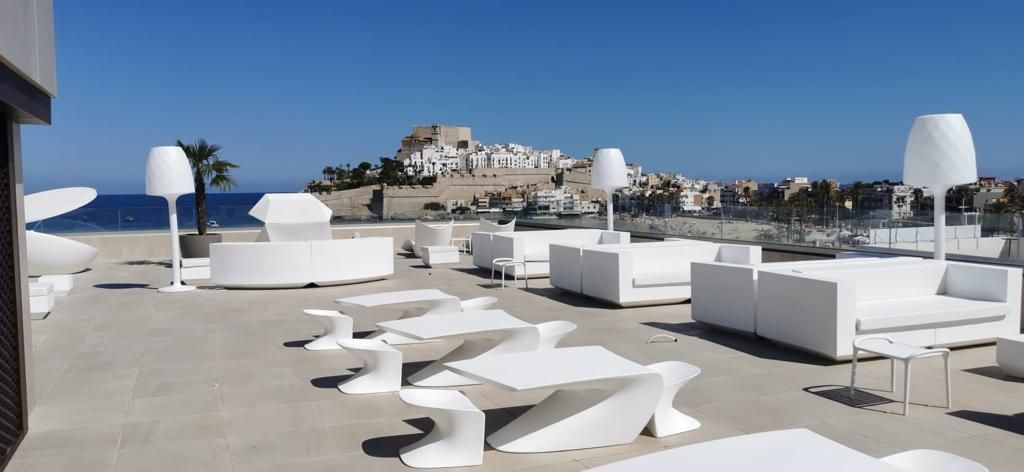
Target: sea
{"x": 139, "y": 212}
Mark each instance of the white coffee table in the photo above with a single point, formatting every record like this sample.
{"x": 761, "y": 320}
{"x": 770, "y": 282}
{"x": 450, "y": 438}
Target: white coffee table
{"x": 483, "y": 333}
{"x": 602, "y": 399}
{"x": 789, "y": 450}
{"x": 415, "y": 303}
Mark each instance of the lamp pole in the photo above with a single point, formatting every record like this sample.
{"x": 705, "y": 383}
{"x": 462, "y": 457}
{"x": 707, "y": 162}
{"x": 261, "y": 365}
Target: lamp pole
{"x": 939, "y": 203}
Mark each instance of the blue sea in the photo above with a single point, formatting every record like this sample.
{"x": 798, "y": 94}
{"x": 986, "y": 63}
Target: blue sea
{"x": 136, "y": 212}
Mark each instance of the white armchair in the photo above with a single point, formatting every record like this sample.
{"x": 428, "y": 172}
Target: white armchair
{"x": 638, "y": 275}
{"x": 480, "y": 241}
{"x": 429, "y": 235}
{"x": 567, "y": 260}
{"x": 926, "y": 303}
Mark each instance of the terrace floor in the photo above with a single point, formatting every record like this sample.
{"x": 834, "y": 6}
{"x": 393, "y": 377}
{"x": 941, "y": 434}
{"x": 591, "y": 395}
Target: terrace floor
{"x": 217, "y": 380}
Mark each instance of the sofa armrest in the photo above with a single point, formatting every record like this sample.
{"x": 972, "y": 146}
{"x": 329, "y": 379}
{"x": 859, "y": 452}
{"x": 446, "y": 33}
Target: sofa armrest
{"x": 724, "y": 295}
{"x": 606, "y": 274}
{"x": 506, "y": 246}
{"x": 739, "y": 254}
{"x": 981, "y": 282}
{"x": 614, "y": 237}
{"x": 810, "y": 313}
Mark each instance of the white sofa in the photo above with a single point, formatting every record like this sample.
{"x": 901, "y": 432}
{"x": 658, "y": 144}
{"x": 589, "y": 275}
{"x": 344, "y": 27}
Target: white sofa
{"x": 925, "y": 303}
{"x": 725, "y": 294}
{"x": 292, "y": 264}
{"x": 567, "y": 260}
{"x": 638, "y": 275}
{"x": 533, "y": 247}
{"x": 480, "y": 241}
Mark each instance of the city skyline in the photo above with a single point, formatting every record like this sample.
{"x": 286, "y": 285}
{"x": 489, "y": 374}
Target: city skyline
{"x": 717, "y": 92}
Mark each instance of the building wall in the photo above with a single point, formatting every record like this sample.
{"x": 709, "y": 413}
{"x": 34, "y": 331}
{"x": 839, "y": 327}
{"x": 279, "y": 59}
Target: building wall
{"x": 26, "y": 41}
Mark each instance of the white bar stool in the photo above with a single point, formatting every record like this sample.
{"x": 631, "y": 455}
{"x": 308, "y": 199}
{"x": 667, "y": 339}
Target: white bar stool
{"x": 504, "y": 262}
{"x": 337, "y": 326}
{"x": 884, "y": 346}
{"x": 667, "y": 420}
{"x": 382, "y": 367}
{"x": 457, "y": 439}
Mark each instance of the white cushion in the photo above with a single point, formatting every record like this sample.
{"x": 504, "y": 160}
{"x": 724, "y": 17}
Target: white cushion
{"x": 539, "y": 256}
{"x": 926, "y": 312}
{"x": 661, "y": 278}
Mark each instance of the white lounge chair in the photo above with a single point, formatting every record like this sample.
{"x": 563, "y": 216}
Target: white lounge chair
{"x": 54, "y": 255}
{"x": 382, "y": 367}
{"x": 927, "y": 460}
{"x": 457, "y": 439}
{"x": 429, "y": 235}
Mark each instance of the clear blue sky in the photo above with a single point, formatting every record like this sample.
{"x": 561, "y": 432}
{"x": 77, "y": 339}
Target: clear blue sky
{"x": 712, "y": 89}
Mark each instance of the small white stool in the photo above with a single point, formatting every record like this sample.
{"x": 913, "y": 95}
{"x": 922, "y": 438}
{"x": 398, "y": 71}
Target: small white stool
{"x": 884, "y": 346}
{"x": 433, "y": 255}
{"x": 62, "y": 284}
{"x": 337, "y": 326}
{"x": 504, "y": 262}
{"x": 457, "y": 439}
{"x": 1010, "y": 355}
{"x": 382, "y": 367}
{"x": 667, "y": 420}
{"x": 40, "y": 298}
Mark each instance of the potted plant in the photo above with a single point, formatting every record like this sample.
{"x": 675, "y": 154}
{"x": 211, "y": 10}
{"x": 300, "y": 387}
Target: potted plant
{"x": 207, "y": 169}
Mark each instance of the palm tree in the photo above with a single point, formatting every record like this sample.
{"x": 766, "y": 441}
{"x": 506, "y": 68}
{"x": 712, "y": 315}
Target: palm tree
{"x": 207, "y": 168}
{"x": 328, "y": 173}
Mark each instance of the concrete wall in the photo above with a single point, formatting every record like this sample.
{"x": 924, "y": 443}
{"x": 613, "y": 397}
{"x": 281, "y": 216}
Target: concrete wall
{"x": 152, "y": 246}
{"x": 26, "y": 41}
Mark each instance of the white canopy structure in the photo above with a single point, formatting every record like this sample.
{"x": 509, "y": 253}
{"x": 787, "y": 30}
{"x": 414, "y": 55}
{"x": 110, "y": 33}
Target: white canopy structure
{"x": 54, "y": 255}
{"x": 292, "y": 217}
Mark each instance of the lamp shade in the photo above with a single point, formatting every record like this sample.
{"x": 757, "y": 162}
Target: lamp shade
{"x": 940, "y": 152}
{"x": 609, "y": 171}
{"x": 168, "y": 173}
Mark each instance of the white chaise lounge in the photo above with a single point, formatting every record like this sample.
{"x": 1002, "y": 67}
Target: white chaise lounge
{"x": 925, "y": 303}
{"x": 429, "y": 235}
{"x": 725, "y": 294}
{"x": 567, "y": 260}
{"x": 532, "y": 247}
{"x": 638, "y": 275}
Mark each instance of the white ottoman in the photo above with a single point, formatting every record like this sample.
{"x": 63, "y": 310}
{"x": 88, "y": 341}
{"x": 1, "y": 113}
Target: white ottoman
{"x": 440, "y": 255}
{"x": 1010, "y": 355}
{"x": 40, "y": 298}
{"x": 62, "y": 284}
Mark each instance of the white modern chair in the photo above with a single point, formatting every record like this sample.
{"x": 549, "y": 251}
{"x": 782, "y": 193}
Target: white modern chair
{"x": 429, "y": 235}
{"x": 457, "y": 439}
{"x": 337, "y": 326}
{"x": 667, "y": 420}
{"x": 479, "y": 303}
{"x": 488, "y": 226}
{"x": 552, "y": 332}
{"x": 382, "y": 367}
{"x": 927, "y": 460}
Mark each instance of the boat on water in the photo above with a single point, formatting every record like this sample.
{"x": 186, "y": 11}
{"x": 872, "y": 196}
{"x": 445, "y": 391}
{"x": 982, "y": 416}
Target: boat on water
{"x": 213, "y": 224}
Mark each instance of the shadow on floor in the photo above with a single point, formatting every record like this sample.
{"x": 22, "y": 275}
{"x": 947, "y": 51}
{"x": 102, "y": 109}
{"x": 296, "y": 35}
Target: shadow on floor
{"x": 122, "y": 286}
{"x": 757, "y": 347}
{"x": 1011, "y": 423}
{"x": 993, "y": 371}
{"x": 841, "y": 394}
{"x": 389, "y": 446}
{"x": 148, "y": 263}
{"x": 572, "y": 299}
{"x": 298, "y": 343}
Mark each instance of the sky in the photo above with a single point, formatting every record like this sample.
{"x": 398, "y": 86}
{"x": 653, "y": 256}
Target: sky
{"x": 716, "y": 90}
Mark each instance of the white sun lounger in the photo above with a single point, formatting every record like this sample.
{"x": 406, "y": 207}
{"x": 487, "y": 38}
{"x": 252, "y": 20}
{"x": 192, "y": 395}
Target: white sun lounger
{"x": 416, "y": 303}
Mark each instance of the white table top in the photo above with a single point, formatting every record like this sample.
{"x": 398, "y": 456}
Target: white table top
{"x": 393, "y": 298}
{"x": 788, "y": 450}
{"x": 548, "y": 368}
{"x": 454, "y": 324}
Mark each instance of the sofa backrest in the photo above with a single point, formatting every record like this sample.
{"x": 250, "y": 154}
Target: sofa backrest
{"x": 488, "y": 226}
{"x": 538, "y": 241}
{"x": 666, "y": 256}
{"x": 890, "y": 280}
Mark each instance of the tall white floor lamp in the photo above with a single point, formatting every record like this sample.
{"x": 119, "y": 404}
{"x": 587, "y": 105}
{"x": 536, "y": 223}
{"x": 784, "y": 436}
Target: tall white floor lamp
{"x": 940, "y": 155}
{"x": 608, "y": 174}
{"x": 169, "y": 175}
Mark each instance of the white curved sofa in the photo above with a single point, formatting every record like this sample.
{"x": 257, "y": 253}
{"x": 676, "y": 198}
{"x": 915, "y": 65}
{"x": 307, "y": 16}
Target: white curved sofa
{"x": 926, "y": 303}
{"x": 533, "y": 247}
{"x": 639, "y": 275}
{"x": 291, "y": 264}
{"x": 725, "y": 294}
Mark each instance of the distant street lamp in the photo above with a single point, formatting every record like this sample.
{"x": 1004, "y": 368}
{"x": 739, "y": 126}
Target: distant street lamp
{"x": 940, "y": 155}
{"x": 609, "y": 173}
